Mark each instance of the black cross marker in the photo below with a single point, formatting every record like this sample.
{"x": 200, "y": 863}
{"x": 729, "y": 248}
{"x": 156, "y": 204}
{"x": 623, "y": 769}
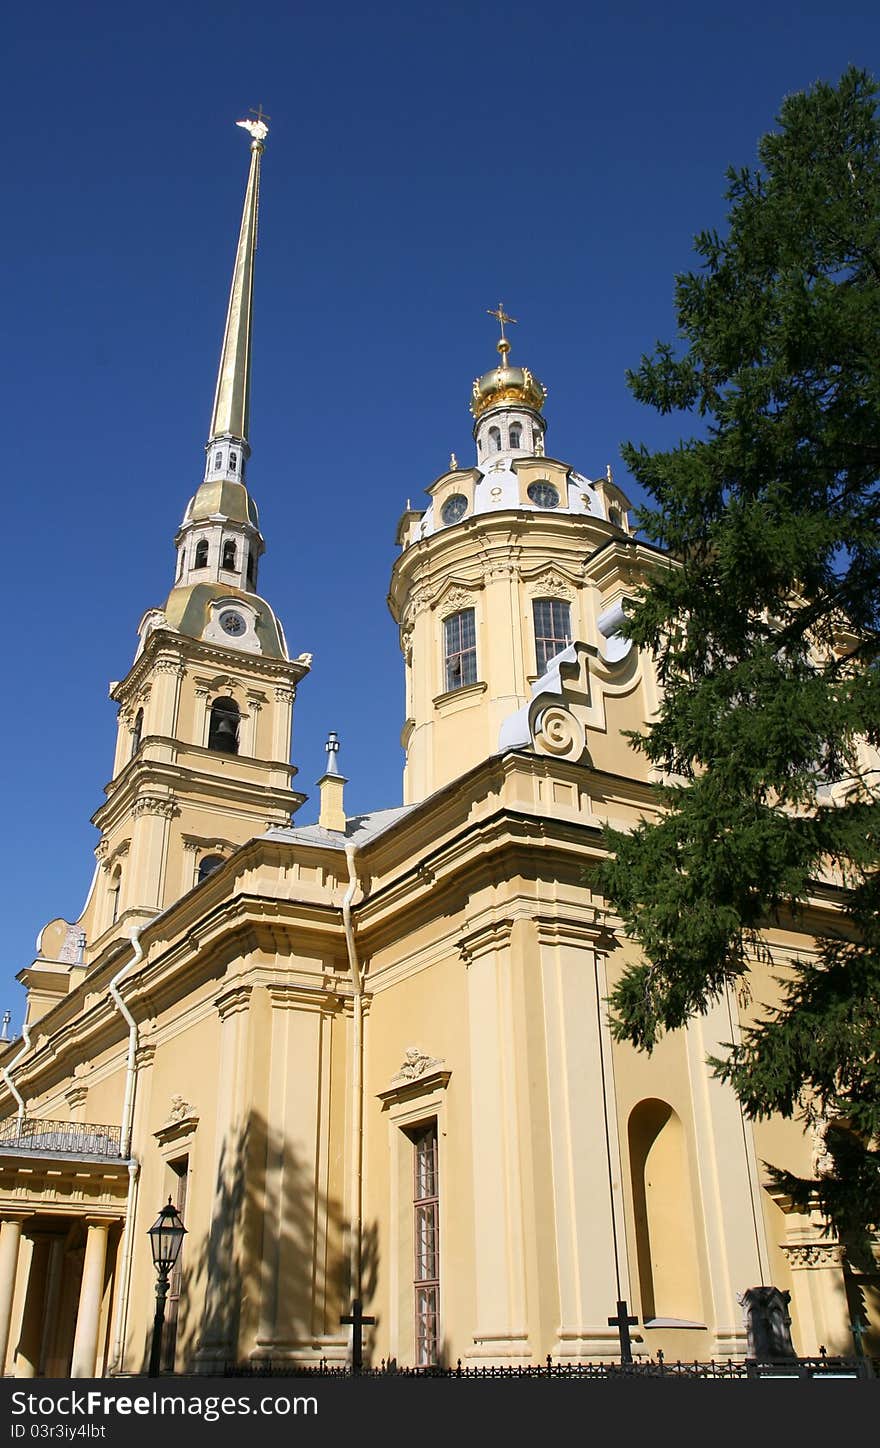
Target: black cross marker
{"x": 357, "y": 1321}
{"x": 623, "y": 1323}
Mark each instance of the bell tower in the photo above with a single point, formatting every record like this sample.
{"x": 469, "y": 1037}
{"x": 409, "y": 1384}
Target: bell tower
{"x": 202, "y": 757}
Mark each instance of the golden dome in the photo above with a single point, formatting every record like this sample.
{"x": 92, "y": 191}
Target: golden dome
{"x": 515, "y": 386}
{"x": 222, "y": 496}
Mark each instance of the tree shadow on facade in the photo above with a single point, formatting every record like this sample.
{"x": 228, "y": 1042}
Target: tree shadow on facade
{"x": 270, "y": 1277}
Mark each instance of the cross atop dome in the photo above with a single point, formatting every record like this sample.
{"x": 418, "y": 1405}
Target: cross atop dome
{"x": 501, "y": 318}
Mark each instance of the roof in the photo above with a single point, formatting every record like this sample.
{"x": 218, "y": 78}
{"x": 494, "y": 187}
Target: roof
{"x": 359, "y": 830}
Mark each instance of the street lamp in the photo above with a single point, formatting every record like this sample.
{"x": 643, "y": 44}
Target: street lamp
{"x": 166, "y": 1238}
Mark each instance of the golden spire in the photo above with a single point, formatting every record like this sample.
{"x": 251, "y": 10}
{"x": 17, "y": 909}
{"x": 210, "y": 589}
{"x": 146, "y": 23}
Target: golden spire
{"x": 501, "y": 317}
{"x": 232, "y": 397}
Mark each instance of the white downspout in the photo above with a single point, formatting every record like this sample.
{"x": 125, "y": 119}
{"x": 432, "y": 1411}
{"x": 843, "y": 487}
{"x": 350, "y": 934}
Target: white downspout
{"x": 125, "y": 1147}
{"x": 25, "y": 1035}
{"x": 357, "y": 1095}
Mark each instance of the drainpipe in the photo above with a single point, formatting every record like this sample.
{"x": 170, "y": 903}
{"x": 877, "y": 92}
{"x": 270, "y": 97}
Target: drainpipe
{"x": 131, "y": 1068}
{"x": 357, "y": 1093}
{"x": 25, "y": 1034}
{"x": 115, "y": 1364}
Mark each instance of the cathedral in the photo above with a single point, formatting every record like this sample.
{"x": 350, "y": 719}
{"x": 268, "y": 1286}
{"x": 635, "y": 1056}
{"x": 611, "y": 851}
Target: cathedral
{"x": 368, "y": 1060}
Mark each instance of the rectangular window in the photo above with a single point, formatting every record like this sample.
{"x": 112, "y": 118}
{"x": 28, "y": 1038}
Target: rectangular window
{"x": 460, "y": 634}
{"x": 426, "y": 1236}
{"x": 552, "y": 629}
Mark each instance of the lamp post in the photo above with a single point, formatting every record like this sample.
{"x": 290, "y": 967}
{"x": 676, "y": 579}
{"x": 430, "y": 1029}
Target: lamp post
{"x": 166, "y": 1238}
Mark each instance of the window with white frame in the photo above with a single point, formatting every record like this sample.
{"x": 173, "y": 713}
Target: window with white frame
{"x": 460, "y": 649}
{"x": 552, "y": 629}
{"x": 426, "y": 1237}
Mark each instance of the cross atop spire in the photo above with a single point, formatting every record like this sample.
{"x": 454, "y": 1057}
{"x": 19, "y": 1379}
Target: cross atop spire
{"x": 257, "y": 127}
{"x": 501, "y": 318}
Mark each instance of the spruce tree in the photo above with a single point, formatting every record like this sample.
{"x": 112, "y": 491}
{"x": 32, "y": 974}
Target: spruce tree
{"x": 765, "y": 626}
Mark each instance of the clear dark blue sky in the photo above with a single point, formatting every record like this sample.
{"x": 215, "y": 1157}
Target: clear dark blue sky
{"x": 424, "y": 161}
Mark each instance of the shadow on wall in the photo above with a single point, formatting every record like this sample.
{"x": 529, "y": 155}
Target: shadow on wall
{"x": 272, "y": 1275}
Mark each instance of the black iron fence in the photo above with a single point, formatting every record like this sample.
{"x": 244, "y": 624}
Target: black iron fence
{"x": 823, "y": 1366}
{"x": 48, "y": 1137}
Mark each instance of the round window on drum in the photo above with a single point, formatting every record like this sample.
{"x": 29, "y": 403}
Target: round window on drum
{"x": 453, "y": 509}
{"x": 543, "y": 495}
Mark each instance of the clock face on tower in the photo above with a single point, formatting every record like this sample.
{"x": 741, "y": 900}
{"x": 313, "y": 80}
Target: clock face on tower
{"x": 231, "y": 622}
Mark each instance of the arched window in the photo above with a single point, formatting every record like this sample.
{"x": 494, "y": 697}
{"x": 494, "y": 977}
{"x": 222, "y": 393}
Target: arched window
{"x": 552, "y": 629}
{"x": 229, "y": 555}
{"x": 666, "y": 1237}
{"x": 115, "y": 888}
{"x": 201, "y": 560}
{"x": 233, "y": 461}
{"x": 494, "y": 439}
{"x": 218, "y": 458}
{"x": 515, "y": 435}
{"x": 614, "y": 517}
{"x": 250, "y": 568}
{"x": 207, "y": 865}
{"x": 136, "y": 733}
{"x": 223, "y": 726}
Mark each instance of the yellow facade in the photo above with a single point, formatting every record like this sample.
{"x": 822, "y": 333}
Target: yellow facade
{"x": 369, "y": 1058}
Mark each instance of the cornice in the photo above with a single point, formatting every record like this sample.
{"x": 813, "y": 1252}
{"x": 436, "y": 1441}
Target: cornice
{"x": 185, "y": 782}
{"x": 564, "y": 929}
{"x": 234, "y": 1000}
{"x": 814, "y": 1254}
{"x": 487, "y": 938}
{"x": 178, "y": 651}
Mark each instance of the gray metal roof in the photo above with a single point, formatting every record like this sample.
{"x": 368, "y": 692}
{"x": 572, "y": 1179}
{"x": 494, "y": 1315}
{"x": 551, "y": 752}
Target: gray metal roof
{"x": 359, "y": 829}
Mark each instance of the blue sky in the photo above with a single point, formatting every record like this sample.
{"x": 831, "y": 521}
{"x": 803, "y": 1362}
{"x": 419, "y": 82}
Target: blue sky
{"x": 423, "y": 163}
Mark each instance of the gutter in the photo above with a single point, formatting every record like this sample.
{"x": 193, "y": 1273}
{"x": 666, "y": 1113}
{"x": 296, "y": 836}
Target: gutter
{"x": 357, "y": 1089}
{"x": 26, "y": 1038}
{"x": 115, "y": 1364}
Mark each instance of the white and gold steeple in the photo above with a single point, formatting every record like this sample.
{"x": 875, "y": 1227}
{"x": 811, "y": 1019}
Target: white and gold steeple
{"x": 219, "y": 540}
{"x": 227, "y": 445}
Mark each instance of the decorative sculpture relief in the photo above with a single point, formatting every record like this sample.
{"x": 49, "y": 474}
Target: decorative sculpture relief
{"x": 180, "y": 1110}
{"x": 814, "y": 1254}
{"x": 556, "y": 731}
{"x": 157, "y": 805}
{"x": 415, "y": 1063}
{"x": 551, "y": 584}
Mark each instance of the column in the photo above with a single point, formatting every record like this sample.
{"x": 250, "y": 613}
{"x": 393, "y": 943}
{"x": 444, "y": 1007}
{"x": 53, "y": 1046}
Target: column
{"x": 53, "y": 1296}
{"x": 281, "y": 721}
{"x": 10, "y": 1238}
{"x": 85, "y": 1342}
{"x": 27, "y": 1357}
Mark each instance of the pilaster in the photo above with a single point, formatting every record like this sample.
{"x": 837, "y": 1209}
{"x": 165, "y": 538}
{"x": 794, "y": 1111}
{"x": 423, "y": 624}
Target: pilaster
{"x": 587, "y": 1178}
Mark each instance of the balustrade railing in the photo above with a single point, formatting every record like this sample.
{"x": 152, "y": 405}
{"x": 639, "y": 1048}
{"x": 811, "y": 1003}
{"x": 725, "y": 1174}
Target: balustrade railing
{"x": 79, "y": 1138}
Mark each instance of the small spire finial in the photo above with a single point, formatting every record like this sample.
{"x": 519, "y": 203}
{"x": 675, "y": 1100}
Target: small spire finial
{"x": 332, "y": 749}
{"x": 453, "y": 463}
{"x": 4, "y": 1034}
{"x": 501, "y": 317}
{"x": 609, "y": 476}
{"x": 257, "y": 127}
